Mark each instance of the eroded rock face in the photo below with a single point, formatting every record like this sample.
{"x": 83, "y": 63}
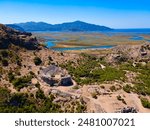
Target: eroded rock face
{"x": 10, "y": 36}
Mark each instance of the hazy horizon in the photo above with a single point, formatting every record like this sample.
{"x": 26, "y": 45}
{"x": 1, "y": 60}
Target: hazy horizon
{"x": 114, "y": 14}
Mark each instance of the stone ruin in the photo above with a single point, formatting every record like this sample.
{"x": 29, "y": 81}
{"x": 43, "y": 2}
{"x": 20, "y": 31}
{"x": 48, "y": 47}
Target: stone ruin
{"x": 56, "y": 76}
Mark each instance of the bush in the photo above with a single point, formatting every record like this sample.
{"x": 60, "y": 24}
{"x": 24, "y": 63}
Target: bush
{"x": 80, "y": 107}
{"x": 121, "y": 99}
{"x": 40, "y": 94}
{"x": 50, "y": 58}
{"x": 37, "y": 85}
{"x": 18, "y": 62}
{"x": 94, "y": 95}
{"x": 145, "y": 102}
{"x": 37, "y": 61}
{"x": 11, "y": 76}
{"x": 113, "y": 88}
{"x": 103, "y": 87}
{"x": 4, "y": 94}
{"x": 5, "y": 62}
{"x": 76, "y": 87}
{"x": 4, "y": 53}
{"x": 22, "y": 82}
{"x": 32, "y": 73}
{"x": 127, "y": 88}
{"x": 18, "y": 100}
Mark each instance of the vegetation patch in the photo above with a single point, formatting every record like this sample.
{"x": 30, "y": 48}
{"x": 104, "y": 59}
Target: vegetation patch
{"x": 23, "y": 103}
{"x": 88, "y": 71}
{"x": 37, "y": 61}
{"x": 22, "y": 82}
{"x": 127, "y": 88}
{"x": 121, "y": 99}
{"x": 142, "y": 82}
{"x": 94, "y": 95}
{"x": 145, "y": 103}
{"x": 76, "y": 87}
{"x": 113, "y": 88}
{"x": 19, "y": 82}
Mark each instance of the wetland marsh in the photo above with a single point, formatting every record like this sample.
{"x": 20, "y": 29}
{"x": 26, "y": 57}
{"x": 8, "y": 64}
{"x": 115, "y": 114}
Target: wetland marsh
{"x": 64, "y": 41}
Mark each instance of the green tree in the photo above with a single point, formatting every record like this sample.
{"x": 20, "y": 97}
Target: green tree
{"x": 37, "y": 61}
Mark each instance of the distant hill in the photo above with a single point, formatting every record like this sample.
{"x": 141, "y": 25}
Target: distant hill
{"x": 81, "y": 26}
{"x": 15, "y": 27}
{"x": 70, "y": 26}
{"x": 33, "y": 26}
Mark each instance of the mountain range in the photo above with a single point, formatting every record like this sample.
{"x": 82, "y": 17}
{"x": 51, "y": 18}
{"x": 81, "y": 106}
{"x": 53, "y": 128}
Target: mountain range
{"x": 13, "y": 26}
{"x": 70, "y": 26}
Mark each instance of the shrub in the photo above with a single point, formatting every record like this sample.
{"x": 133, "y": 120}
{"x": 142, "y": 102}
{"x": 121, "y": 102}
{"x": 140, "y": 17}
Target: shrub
{"x": 18, "y": 62}
{"x": 22, "y": 82}
{"x": 76, "y": 87}
{"x": 124, "y": 102}
{"x": 94, "y": 95}
{"x": 80, "y": 107}
{"x": 37, "y": 85}
{"x": 103, "y": 87}
{"x": 119, "y": 97}
{"x": 37, "y": 61}
{"x": 11, "y": 76}
{"x": 40, "y": 94}
{"x": 4, "y": 53}
{"x": 113, "y": 88}
{"x": 50, "y": 58}
{"x": 18, "y": 100}
{"x": 127, "y": 88}
{"x": 145, "y": 102}
{"x": 4, "y": 94}
{"x": 32, "y": 73}
{"x": 5, "y": 62}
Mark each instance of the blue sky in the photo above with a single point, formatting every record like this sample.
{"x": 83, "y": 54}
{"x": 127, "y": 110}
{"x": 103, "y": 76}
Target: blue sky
{"x": 111, "y": 13}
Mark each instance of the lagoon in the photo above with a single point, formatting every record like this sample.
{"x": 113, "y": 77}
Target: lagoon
{"x": 83, "y": 48}
{"x": 51, "y": 45}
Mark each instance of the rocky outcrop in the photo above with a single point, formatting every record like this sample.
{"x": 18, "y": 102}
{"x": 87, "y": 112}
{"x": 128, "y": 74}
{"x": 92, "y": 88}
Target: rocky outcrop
{"x": 129, "y": 110}
{"x": 10, "y": 36}
{"x": 123, "y": 53}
